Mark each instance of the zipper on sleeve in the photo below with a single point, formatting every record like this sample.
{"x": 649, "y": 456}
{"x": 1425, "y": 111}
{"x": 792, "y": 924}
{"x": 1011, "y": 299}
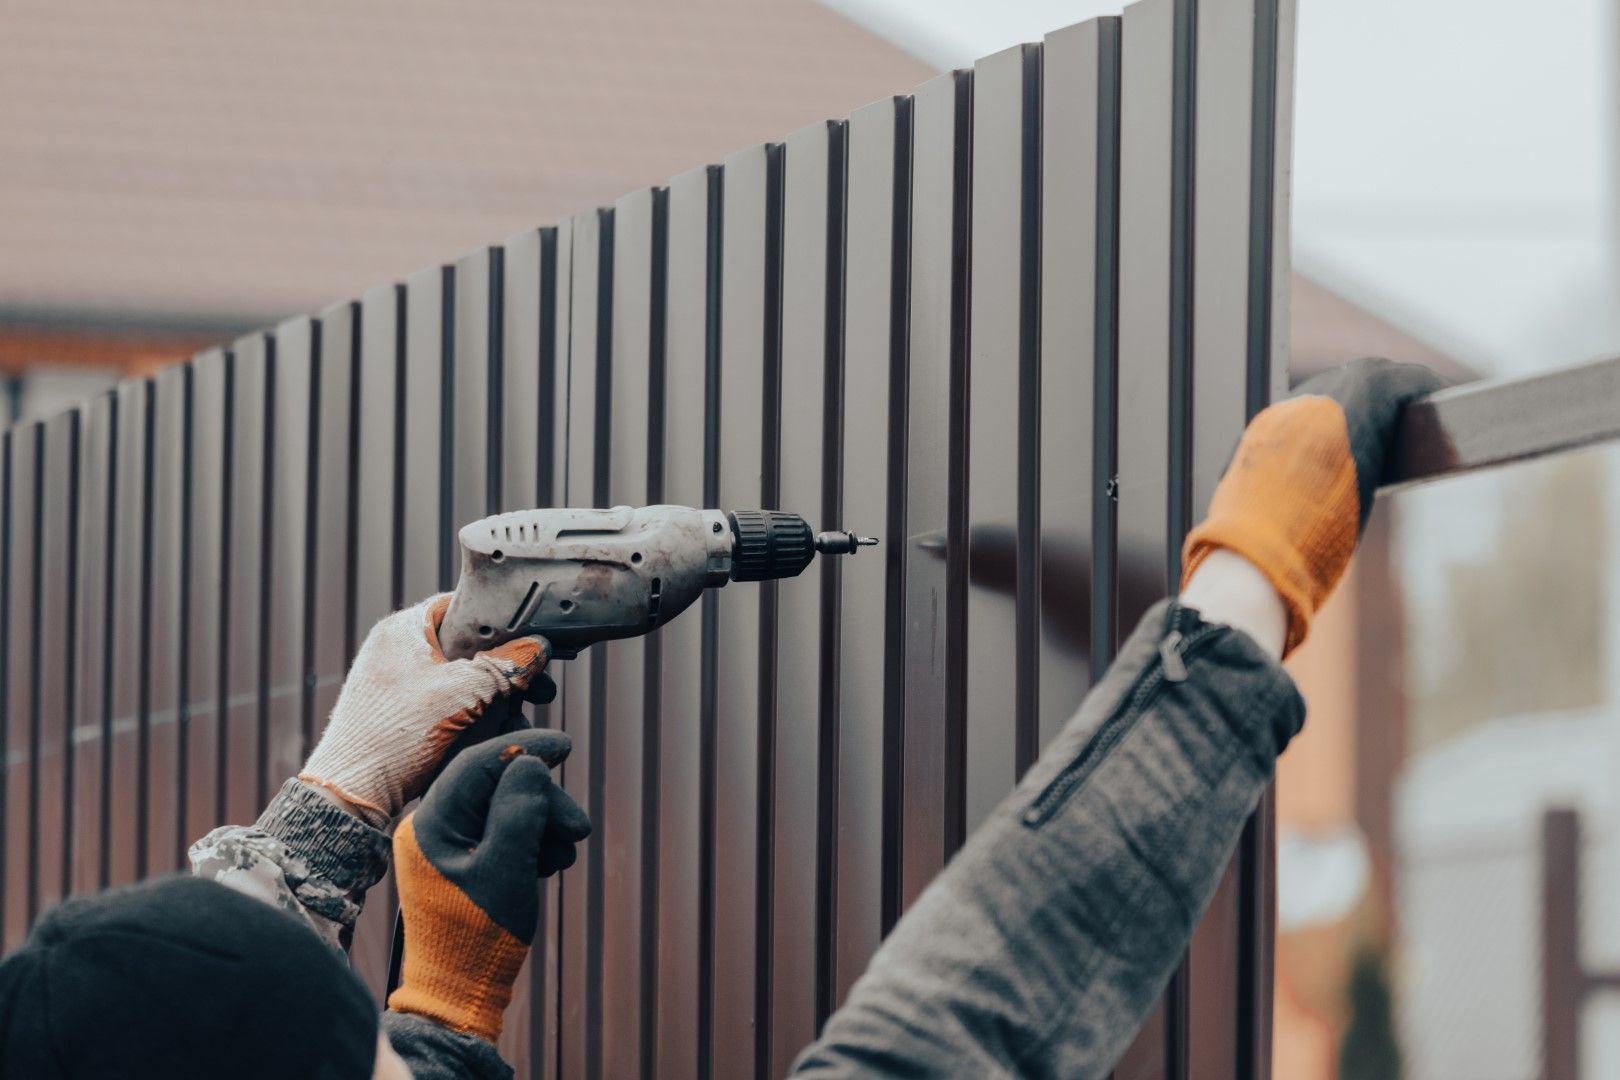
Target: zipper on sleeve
{"x": 1169, "y": 665}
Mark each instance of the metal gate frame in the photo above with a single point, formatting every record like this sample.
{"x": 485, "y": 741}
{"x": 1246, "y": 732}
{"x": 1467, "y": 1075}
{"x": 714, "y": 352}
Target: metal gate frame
{"x": 1012, "y": 321}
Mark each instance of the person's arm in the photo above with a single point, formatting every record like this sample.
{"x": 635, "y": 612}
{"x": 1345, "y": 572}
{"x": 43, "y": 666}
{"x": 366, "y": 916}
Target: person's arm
{"x": 320, "y": 843}
{"x": 468, "y": 863}
{"x": 1043, "y": 945}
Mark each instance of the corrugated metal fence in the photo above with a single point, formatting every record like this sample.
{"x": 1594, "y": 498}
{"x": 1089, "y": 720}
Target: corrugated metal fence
{"x": 1011, "y": 322}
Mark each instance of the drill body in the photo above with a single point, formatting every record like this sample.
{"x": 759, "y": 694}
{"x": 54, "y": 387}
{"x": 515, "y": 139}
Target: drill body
{"x": 580, "y": 576}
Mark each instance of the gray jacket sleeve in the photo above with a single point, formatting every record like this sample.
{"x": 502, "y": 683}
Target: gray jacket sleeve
{"x": 437, "y": 1053}
{"x": 1043, "y": 945}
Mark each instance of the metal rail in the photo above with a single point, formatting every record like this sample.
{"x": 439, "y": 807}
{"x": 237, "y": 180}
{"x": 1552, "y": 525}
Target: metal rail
{"x": 1488, "y": 424}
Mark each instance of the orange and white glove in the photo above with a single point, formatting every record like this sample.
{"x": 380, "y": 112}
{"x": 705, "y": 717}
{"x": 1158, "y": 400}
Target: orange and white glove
{"x": 403, "y": 704}
{"x": 469, "y": 863}
{"x": 1297, "y": 493}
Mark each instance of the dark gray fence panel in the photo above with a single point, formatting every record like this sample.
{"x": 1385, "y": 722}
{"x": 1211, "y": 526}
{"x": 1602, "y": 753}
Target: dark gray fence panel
{"x": 168, "y": 776}
{"x": 629, "y": 730}
{"x": 1222, "y": 194}
{"x": 1074, "y": 113}
{"x": 1002, "y": 359}
{"x": 95, "y": 642}
{"x": 475, "y": 437}
{"x": 127, "y": 795}
{"x": 425, "y": 494}
{"x": 1146, "y": 158}
{"x": 205, "y": 592}
{"x": 528, "y": 368}
{"x": 748, "y": 365}
{"x": 812, "y": 240}
{"x": 53, "y": 630}
{"x": 379, "y": 528}
{"x": 935, "y": 579}
{"x": 380, "y": 447}
{"x": 330, "y": 582}
{"x": 22, "y": 535}
{"x": 878, "y": 137}
{"x": 520, "y": 429}
{"x": 691, "y": 340}
{"x": 582, "y": 687}
{"x": 289, "y": 555}
{"x": 246, "y": 641}
{"x": 550, "y": 975}
{"x": 979, "y": 305}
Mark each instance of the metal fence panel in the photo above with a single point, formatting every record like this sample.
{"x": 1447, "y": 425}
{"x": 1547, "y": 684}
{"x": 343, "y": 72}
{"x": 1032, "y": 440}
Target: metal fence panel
{"x": 57, "y": 683}
{"x": 873, "y": 315}
{"x": 1011, "y": 324}
{"x": 23, "y": 453}
{"x": 289, "y": 542}
{"x": 168, "y": 775}
{"x": 244, "y": 706}
{"x": 812, "y": 239}
{"x": 205, "y": 592}
{"x": 425, "y": 555}
{"x": 1003, "y": 373}
{"x": 127, "y": 796}
{"x": 746, "y": 377}
{"x": 629, "y": 779}
{"x": 935, "y": 569}
{"x": 1075, "y": 113}
{"x": 582, "y": 686}
{"x": 379, "y": 532}
{"x": 691, "y": 344}
{"x": 95, "y": 642}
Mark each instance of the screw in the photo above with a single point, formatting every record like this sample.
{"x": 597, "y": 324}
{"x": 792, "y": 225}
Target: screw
{"x": 717, "y": 526}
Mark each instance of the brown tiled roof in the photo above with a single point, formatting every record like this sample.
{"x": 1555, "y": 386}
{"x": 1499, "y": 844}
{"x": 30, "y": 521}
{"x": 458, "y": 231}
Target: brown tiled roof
{"x": 249, "y": 160}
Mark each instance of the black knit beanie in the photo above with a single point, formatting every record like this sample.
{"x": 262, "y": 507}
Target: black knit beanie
{"x": 181, "y": 977}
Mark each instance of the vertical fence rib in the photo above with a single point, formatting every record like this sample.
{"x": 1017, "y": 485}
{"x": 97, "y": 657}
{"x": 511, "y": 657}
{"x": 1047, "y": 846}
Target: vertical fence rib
{"x": 1146, "y": 152}
{"x": 94, "y": 641}
{"x": 167, "y": 775}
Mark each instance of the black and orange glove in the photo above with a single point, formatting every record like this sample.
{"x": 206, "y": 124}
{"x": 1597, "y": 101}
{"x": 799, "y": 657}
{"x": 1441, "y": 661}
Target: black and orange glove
{"x": 1298, "y": 491}
{"x": 468, "y": 863}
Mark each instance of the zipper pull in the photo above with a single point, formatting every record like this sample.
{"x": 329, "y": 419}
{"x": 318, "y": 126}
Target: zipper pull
{"x": 1170, "y": 657}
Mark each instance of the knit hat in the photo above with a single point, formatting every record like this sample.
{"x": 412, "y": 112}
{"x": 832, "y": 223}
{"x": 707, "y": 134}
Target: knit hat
{"x": 181, "y": 977}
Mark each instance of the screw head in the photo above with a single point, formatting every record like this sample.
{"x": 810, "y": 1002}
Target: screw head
{"x": 716, "y": 526}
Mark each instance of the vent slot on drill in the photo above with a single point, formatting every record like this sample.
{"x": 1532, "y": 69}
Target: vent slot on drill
{"x": 563, "y": 533}
{"x": 653, "y": 601}
{"x": 518, "y": 616}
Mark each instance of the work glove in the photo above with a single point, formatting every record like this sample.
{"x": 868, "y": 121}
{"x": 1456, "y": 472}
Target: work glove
{"x": 468, "y": 863}
{"x": 403, "y": 705}
{"x": 1297, "y": 493}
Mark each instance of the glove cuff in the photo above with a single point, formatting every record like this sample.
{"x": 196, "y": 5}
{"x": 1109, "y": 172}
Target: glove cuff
{"x": 460, "y": 966}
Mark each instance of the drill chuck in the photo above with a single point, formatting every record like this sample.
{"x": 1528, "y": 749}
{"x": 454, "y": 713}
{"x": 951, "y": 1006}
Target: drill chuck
{"x": 771, "y": 544}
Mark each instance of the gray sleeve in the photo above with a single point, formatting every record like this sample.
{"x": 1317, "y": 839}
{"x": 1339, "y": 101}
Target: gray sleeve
{"x": 304, "y": 855}
{"x": 1044, "y": 944}
{"x": 437, "y": 1053}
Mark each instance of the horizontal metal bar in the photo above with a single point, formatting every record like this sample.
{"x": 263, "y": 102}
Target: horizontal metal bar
{"x": 1488, "y": 424}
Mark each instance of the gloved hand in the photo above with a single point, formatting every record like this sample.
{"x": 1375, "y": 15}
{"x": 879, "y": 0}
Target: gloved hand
{"x": 403, "y": 704}
{"x": 468, "y": 862}
{"x": 1298, "y": 491}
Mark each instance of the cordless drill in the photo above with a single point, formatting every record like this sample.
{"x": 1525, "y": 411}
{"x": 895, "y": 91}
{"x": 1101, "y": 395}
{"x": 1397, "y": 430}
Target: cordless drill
{"x": 577, "y": 576}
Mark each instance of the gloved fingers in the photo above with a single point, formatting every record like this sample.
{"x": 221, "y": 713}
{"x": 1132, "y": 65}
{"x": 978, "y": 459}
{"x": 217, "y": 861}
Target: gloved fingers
{"x": 459, "y": 801}
{"x": 556, "y": 855}
{"x": 569, "y": 822}
{"x": 542, "y": 690}
{"x": 518, "y": 814}
{"x": 517, "y": 661}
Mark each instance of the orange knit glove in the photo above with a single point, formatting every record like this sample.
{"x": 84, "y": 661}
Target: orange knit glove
{"x": 468, "y": 863}
{"x": 1298, "y": 491}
